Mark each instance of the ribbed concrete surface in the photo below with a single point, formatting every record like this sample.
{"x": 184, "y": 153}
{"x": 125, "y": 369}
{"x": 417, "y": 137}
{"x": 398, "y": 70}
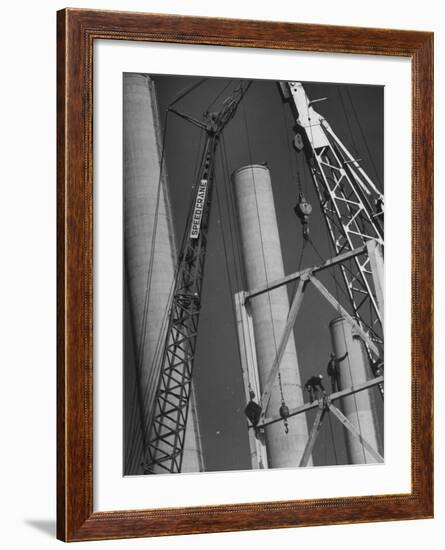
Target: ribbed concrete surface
{"x": 263, "y": 262}
{"x": 357, "y": 408}
{"x": 142, "y": 193}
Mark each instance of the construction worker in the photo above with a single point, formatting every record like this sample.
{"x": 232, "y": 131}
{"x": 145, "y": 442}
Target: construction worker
{"x": 379, "y": 208}
{"x": 253, "y": 410}
{"x": 334, "y": 371}
{"x": 377, "y": 367}
{"x": 313, "y": 385}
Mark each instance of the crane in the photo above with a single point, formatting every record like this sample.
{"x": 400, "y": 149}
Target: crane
{"x": 165, "y": 441}
{"x": 353, "y": 210}
{"x": 351, "y": 204}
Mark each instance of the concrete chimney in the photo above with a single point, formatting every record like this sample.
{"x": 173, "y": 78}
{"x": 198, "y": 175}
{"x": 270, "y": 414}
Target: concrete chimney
{"x": 142, "y": 194}
{"x": 263, "y": 263}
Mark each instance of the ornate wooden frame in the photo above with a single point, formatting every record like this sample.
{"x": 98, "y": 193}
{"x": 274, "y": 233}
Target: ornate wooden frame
{"x": 77, "y": 30}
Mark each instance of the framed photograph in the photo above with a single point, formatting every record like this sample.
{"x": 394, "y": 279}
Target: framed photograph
{"x": 245, "y": 229}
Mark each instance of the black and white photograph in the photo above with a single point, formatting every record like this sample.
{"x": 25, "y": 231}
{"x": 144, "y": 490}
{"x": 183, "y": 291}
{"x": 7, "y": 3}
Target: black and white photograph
{"x": 221, "y": 235}
{"x": 253, "y": 274}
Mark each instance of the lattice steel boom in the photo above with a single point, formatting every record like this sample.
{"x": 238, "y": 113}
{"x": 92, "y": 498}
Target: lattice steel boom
{"x": 171, "y": 403}
{"x": 352, "y": 205}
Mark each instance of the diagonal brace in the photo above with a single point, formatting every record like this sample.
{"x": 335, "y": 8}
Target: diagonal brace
{"x": 313, "y": 435}
{"x": 295, "y": 307}
{"x": 336, "y": 304}
{"x": 332, "y": 397}
{"x": 271, "y": 285}
{"x": 355, "y": 432}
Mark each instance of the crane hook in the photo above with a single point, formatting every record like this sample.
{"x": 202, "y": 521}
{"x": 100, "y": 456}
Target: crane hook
{"x": 284, "y": 413}
{"x": 303, "y": 209}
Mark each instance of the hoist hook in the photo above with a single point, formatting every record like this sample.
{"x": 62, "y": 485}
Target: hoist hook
{"x": 284, "y": 413}
{"x": 303, "y": 209}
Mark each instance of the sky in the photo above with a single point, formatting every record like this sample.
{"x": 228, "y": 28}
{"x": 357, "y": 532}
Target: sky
{"x": 260, "y": 131}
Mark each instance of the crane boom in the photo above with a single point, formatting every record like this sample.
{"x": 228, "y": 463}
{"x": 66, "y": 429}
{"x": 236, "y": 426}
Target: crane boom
{"x": 351, "y": 204}
{"x": 168, "y": 418}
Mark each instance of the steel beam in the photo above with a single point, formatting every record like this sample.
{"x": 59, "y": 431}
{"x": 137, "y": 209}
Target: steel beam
{"x": 313, "y": 435}
{"x": 333, "y": 397}
{"x": 356, "y": 433}
{"x": 249, "y": 364}
{"x": 294, "y": 276}
{"x": 342, "y": 311}
{"x": 293, "y": 312}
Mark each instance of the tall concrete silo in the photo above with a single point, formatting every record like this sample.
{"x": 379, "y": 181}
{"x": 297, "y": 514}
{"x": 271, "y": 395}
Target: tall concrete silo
{"x": 150, "y": 258}
{"x": 263, "y": 263}
{"x": 357, "y": 407}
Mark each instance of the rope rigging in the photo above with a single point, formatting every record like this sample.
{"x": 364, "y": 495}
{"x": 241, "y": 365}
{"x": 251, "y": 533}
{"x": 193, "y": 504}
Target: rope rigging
{"x": 145, "y": 401}
{"x": 171, "y": 400}
{"x": 140, "y": 349}
{"x": 235, "y": 276}
{"x": 354, "y": 396}
{"x": 215, "y": 99}
{"x": 235, "y": 282}
{"x": 338, "y": 286}
{"x": 284, "y": 410}
{"x": 365, "y": 141}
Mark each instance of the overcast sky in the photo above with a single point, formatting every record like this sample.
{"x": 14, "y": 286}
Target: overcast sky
{"x": 352, "y": 111}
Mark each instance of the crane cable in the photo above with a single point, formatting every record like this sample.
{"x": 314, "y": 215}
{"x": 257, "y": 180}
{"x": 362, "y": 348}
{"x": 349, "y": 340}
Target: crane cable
{"x": 291, "y": 158}
{"x": 337, "y": 286}
{"x": 150, "y": 393}
{"x": 156, "y": 363}
{"x": 140, "y": 350}
{"x": 348, "y": 122}
{"x": 150, "y": 388}
{"x": 263, "y": 255}
{"x": 161, "y": 339}
{"x": 185, "y": 91}
{"x": 364, "y": 139}
{"x": 218, "y": 95}
{"x": 345, "y": 345}
{"x": 230, "y": 282}
{"x": 354, "y": 396}
{"x": 236, "y": 252}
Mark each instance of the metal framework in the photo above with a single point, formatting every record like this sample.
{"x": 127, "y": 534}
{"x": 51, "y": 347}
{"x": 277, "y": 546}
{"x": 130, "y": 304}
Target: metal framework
{"x": 344, "y": 192}
{"x": 325, "y": 405}
{"x": 168, "y": 418}
{"x": 351, "y": 203}
{"x": 304, "y": 277}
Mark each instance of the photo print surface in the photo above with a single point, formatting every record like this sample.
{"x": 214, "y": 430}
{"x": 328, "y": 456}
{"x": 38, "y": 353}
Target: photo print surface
{"x": 253, "y": 274}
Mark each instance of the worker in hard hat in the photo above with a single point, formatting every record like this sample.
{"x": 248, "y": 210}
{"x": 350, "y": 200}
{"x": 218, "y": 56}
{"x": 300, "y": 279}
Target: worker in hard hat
{"x": 333, "y": 370}
{"x": 313, "y": 386}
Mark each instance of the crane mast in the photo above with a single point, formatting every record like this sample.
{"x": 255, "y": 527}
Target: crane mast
{"x": 350, "y": 202}
{"x": 169, "y": 413}
{"x": 353, "y": 210}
